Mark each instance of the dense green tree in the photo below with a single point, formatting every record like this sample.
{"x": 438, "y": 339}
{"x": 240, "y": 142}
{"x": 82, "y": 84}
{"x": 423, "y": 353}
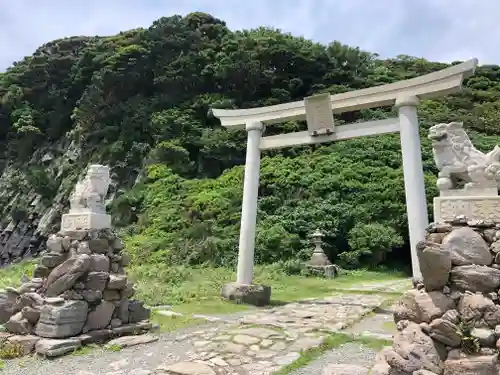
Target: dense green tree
{"x": 140, "y": 101}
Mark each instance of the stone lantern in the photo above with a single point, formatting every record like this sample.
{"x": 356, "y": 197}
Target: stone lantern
{"x": 319, "y": 263}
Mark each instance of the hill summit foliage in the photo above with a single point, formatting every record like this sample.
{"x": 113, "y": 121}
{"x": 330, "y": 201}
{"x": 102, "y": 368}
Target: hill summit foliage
{"x": 139, "y": 101}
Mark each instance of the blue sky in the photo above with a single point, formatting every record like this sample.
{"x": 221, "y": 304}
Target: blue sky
{"x": 439, "y": 30}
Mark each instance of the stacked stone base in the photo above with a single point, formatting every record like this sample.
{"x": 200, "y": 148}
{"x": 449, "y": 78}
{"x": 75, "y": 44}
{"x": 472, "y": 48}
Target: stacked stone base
{"x": 254, "y": 294}
{"x": 450, "y": 323}
{"x": 79, "y": 294}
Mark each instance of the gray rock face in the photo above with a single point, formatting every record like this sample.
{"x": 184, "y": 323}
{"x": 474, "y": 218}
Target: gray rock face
{"x": 96, "y": 281}
{"x": 26, "y": 342}
{"x": 111, "y": 295}
{"x": 117, "y": 282}
{"x": 31, "y": 314}
{"x": 56, "y": 348}
{"x": 459, "y": 320}
{"x": 55, "y": 244}
{"x": 51, "y": 260}
{"x": 99, "y": 245}
{"x": 100, "y": 317}
{"x": 18, "y": 324}
{"x": 492, "y": 316}
{"x": 485, "y": 336}
{"x": 123, "y": 312}
{"x": 413, "y": 350}
{"x": 62, "y": 321}
{"x": 472, "y": 365}
{"x": 475, "y": 278}
{"x": 99, "y": 263}
{"x": 467, "y": 247}
{"x": 41, "y": 271}
{"x": 137, "y": 312}
{"x": 73, "y": 298}
{"x": 435, "y": 265}
{"x": 65, "y": 275}
{"x": 91, "y": 296}
{"x": 471, "y": 307}
{"x": 126, "y": 341}
{"x": 420, "y": 306}
{"x": 446, "y": 332}
{"x": 8, "y": 306}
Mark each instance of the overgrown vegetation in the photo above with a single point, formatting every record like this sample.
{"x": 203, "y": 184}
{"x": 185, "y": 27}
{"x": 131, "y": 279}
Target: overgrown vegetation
{"x": 139, "y": 101}
{"x": 469, "y": 343}
{"x": 10, "y": 350}
{"x": 193, "y": 290}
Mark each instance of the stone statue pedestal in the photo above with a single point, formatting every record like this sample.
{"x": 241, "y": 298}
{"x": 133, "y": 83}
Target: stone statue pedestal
{"x": 85, "y": 221}
{"x": 254, "y": 294}
{"x": 87, "y": 202}
{"x": 319, "y": 264}
{"x": 80, "y": 293}
{"x": 447, "y": 208}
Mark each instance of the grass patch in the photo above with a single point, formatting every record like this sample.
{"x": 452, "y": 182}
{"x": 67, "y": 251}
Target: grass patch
{"x": 11, "y": 275}
{"x": 390, "y": 327}
{"x": 84, "y": 350}
{"x": 10, "y": 350}
{"x": 196, "y": 290}
{"x": 113, "y": 347}
{"x": 175, "y": 322}
{"x": 388, "y": 303}
{"x": 331, "y": 342}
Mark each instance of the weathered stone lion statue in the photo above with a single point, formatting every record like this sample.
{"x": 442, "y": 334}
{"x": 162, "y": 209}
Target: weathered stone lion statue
{"x": 89, "y": 194}
{"x": 459, "y": 161}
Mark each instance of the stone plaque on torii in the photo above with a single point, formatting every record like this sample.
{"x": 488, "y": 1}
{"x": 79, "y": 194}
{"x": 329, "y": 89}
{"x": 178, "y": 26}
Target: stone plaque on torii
{"x": 319, "y": 115}
{"x": 318, "y": 110}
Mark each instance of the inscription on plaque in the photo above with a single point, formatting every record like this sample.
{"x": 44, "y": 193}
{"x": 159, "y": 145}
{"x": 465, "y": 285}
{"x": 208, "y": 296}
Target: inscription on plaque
{"x": 473, "y": 208}
{"x": 319, "y": 114}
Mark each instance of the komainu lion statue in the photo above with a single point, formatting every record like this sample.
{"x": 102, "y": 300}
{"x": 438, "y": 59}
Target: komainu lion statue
{"x": 459, "y": 161}
{"x": 89, "y": 193}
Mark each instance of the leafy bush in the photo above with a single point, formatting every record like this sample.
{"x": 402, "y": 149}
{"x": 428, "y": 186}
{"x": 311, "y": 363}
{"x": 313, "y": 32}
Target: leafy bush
{"x": 19, "y": 213}
{"x": 371, "y": 240}
{"x": 41, "y": 182}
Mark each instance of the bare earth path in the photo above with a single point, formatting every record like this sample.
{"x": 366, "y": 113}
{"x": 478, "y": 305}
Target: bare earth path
{"x": 259, "y": 342}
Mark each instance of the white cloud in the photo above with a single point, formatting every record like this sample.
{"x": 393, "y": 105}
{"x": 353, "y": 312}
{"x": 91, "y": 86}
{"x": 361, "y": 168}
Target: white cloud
{"x": 442, "y": 30}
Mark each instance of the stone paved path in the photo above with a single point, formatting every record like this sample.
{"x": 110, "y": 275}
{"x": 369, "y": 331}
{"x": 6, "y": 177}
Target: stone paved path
{"x": 380, "y": 325}
{"x": 389, "y": 286}
{"x": 260, "y": 342}
{"x": 347, "y": 359}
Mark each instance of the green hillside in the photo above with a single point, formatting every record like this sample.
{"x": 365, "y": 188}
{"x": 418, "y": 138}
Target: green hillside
{"x": 139, "y": 101}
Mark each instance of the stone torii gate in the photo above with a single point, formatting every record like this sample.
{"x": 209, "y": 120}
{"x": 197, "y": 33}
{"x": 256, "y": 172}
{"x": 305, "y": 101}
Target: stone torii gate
{"x": 318, "y": 110}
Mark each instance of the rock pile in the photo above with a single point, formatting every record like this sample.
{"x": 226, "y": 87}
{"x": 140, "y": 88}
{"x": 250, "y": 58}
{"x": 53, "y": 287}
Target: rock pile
{"x": 79, "y": 294}
{"x": 450, "y": 322}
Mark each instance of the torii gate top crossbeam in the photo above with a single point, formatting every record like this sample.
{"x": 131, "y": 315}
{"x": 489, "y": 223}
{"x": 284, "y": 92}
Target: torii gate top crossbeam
{"x": 442, "y": 82}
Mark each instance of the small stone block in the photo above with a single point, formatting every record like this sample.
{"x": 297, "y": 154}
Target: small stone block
{"x": 257, "y": 295}
{"x": 329, "y": 271}
{"x": 476, "y": 208}
{"x": 85, "y": 220}
{"x": 126, "y": 341}
{"x": 56, "y": 348}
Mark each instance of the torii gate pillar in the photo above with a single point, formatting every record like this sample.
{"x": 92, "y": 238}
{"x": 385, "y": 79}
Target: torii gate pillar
{"x": 416, "y": 202}
{"x": 249, "y": 207}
